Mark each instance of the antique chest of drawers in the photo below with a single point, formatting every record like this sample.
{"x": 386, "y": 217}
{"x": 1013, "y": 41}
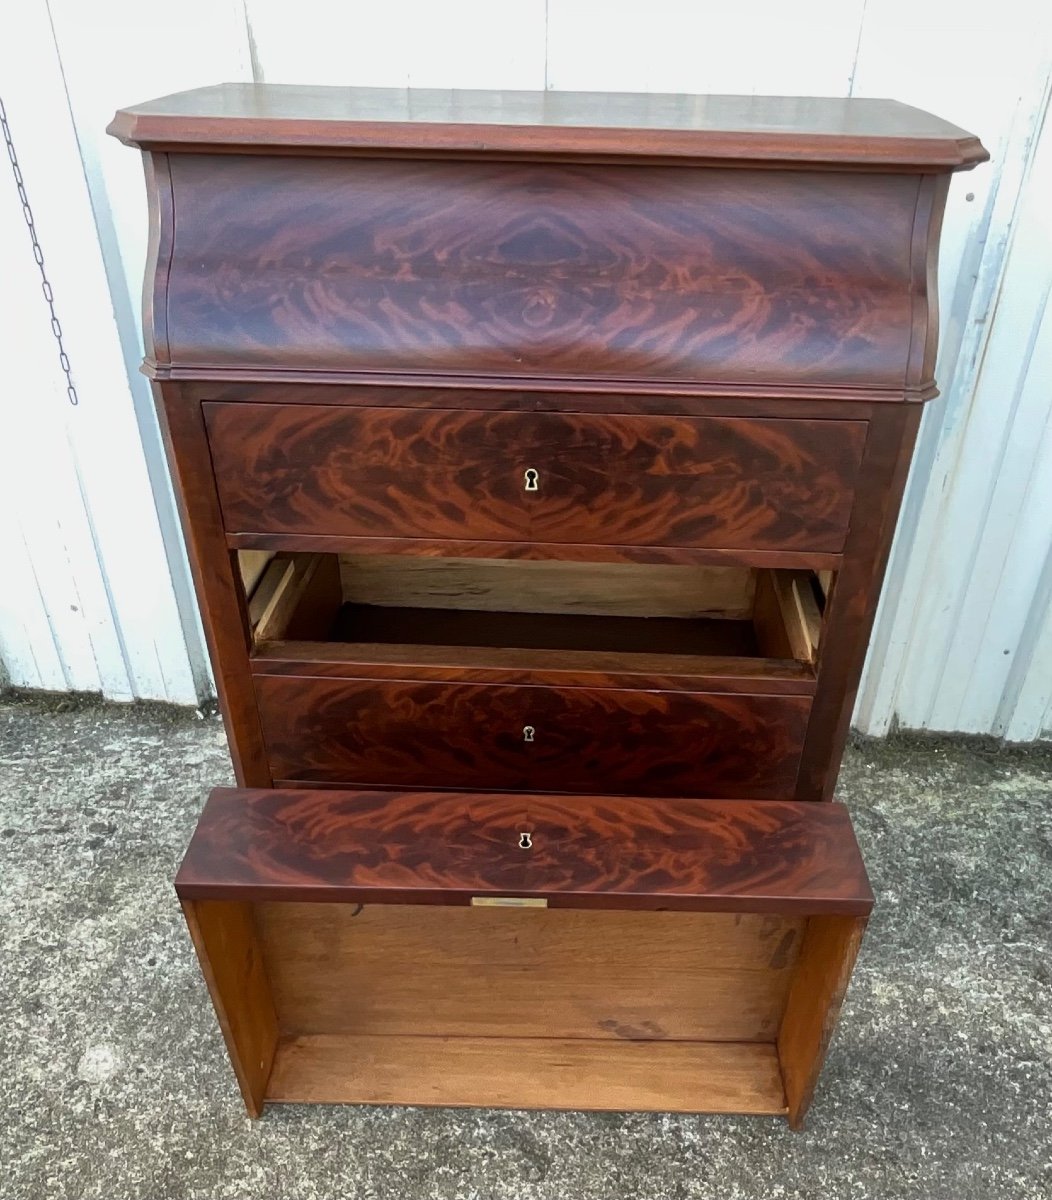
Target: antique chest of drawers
{"x": 538, "y": 454}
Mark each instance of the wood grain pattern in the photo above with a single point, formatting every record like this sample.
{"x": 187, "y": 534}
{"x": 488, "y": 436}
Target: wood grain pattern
{"x": 827, "y": 958}
{"x": 217, "y": 580}
{"x": 852, "y": 606}
{"x": 293, "y": 576}
{"x": 717, "y": 1077}
{"x": 552, "y": 939}
{"x": 717, "y": 673}
{"x": 275, "y": 576}
{"x": 231, "y": 959}
{"x": 692, "y": 556}
{"x": 584, "y": 396}
{"x": 505, "y": 585}
{"x": 331, "y": 470}
{"x": 588, "y": 852}
{"x": 546, "y": 271}
{"x": 880, "y": 134}
{"x": 434, "y": 627}
{"x": 158, "y": 258}
{"x": 252, "y": 565}
{"x": 410, "y": 970}
{"x": 705, "y": 323}
{"x": 455, "y": 735}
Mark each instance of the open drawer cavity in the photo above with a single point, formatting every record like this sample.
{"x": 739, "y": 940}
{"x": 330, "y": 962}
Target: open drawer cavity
{"x": 494, "y": 618}
{"x": 526, "y": 951}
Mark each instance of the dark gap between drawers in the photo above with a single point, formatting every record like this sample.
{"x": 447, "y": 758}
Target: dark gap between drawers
{"x": 542, "y": 631}
{"x": 721, "y": 628}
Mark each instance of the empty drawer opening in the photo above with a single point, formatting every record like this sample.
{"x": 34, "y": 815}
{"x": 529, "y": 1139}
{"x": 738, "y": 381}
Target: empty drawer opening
{"x": 656, "y": 617}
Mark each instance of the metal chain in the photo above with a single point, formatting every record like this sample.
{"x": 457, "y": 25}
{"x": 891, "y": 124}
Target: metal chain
{"x": 38, "y": 255}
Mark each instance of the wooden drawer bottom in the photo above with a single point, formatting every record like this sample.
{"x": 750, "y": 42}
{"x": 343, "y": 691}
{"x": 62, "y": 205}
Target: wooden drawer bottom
{"x": 406, "y": 948}
{"x": 499, "y": 1072}
{"x": 501, "y": 1007}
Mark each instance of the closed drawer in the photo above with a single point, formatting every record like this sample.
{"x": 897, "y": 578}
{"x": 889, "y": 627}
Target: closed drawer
{"x": 425, "y": 734}
{"x": 719, "y": 482}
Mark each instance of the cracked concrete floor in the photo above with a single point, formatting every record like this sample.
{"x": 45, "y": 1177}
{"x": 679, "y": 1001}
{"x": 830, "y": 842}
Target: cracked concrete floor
{"x": 115, "y": 1084}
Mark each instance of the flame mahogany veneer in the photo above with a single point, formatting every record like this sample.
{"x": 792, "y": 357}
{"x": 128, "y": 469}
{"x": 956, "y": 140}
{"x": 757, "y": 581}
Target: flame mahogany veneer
{"x": 647, "y": 481}
{"x": 588, "y": 852}
{"x": 684, "y": 335}
{"x": 636, "y": 741}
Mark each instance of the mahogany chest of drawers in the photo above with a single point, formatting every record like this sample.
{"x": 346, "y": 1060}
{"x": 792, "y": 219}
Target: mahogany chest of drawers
{"x": 540, "y": 457}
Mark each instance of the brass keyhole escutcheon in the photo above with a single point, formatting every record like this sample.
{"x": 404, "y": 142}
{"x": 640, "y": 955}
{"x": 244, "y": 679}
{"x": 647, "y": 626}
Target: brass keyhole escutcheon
{"x": 525, "y": 841}
{"x": 527, "y": 733}
{"x": 532, "y": 479}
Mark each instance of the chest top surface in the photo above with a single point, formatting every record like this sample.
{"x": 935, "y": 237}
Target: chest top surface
{"x": 864, "y": 132}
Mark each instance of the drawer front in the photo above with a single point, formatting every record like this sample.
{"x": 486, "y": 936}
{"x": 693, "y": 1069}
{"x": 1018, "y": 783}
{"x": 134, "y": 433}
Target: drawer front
{"x": 649, "y": 743}
{"x": 408, "y": 734}
{"x": 721, "y": 482}
{"x": 393, "y": 734}
{"x": 542, "y": 270}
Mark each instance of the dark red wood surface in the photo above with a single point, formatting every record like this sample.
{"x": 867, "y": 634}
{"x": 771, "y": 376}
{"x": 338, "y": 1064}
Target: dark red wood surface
{"x": 853, "y": 604}
{"x": 585, "y": 396}
{"x": 587, "y": 852}
{"x": 455, "y": 735}
{"x": 216, "y": 580}
{"x": 526, "y": 668}
{"x": 542, "y": 270}
{"x": 629, "y": 480}
{"x": 879, "y": 134}
{"x": 541, "y": 257}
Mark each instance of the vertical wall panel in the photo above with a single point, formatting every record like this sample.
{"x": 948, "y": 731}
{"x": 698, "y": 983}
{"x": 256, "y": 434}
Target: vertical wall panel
{"x": 96, "y": 592}
{"x": 966, "y": 604}
{"x": 109, "y": 52}
{"x": 764, "y": 46}
{"x": 87, "y": 513}
{"x": 414, "y": 43}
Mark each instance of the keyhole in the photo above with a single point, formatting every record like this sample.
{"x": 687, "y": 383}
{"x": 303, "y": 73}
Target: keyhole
{"x": 525, "y": 841}
{"x": 527, "y": 733}
{"x": 532, "y": 479}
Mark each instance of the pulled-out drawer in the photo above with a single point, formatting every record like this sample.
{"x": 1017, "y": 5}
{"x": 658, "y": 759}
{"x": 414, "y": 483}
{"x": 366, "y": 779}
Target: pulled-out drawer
{"x": 415, "y": 948}
{"x": 561, "y": 478}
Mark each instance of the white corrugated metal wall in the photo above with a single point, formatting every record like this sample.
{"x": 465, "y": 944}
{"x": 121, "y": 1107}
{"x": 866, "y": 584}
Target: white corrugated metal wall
{"x": 94, "y": 590}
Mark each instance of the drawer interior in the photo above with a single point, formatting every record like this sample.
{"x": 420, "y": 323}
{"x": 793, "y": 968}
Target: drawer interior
{"x": 354, "y": 607}
{"x": 344, "y": 943}
{"x": 587, "y": 1010}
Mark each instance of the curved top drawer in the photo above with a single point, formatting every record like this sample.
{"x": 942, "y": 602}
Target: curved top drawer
{"x": 548, "y": 271}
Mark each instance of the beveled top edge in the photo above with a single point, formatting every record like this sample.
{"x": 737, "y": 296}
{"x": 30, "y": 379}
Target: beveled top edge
{"x": 875, "y": 133}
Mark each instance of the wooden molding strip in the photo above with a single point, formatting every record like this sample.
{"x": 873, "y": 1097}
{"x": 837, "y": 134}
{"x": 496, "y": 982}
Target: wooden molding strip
{"x": 878, "y": 134}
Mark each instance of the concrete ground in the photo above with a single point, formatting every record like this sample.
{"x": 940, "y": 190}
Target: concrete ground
{"x": 114, "y": 1084}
